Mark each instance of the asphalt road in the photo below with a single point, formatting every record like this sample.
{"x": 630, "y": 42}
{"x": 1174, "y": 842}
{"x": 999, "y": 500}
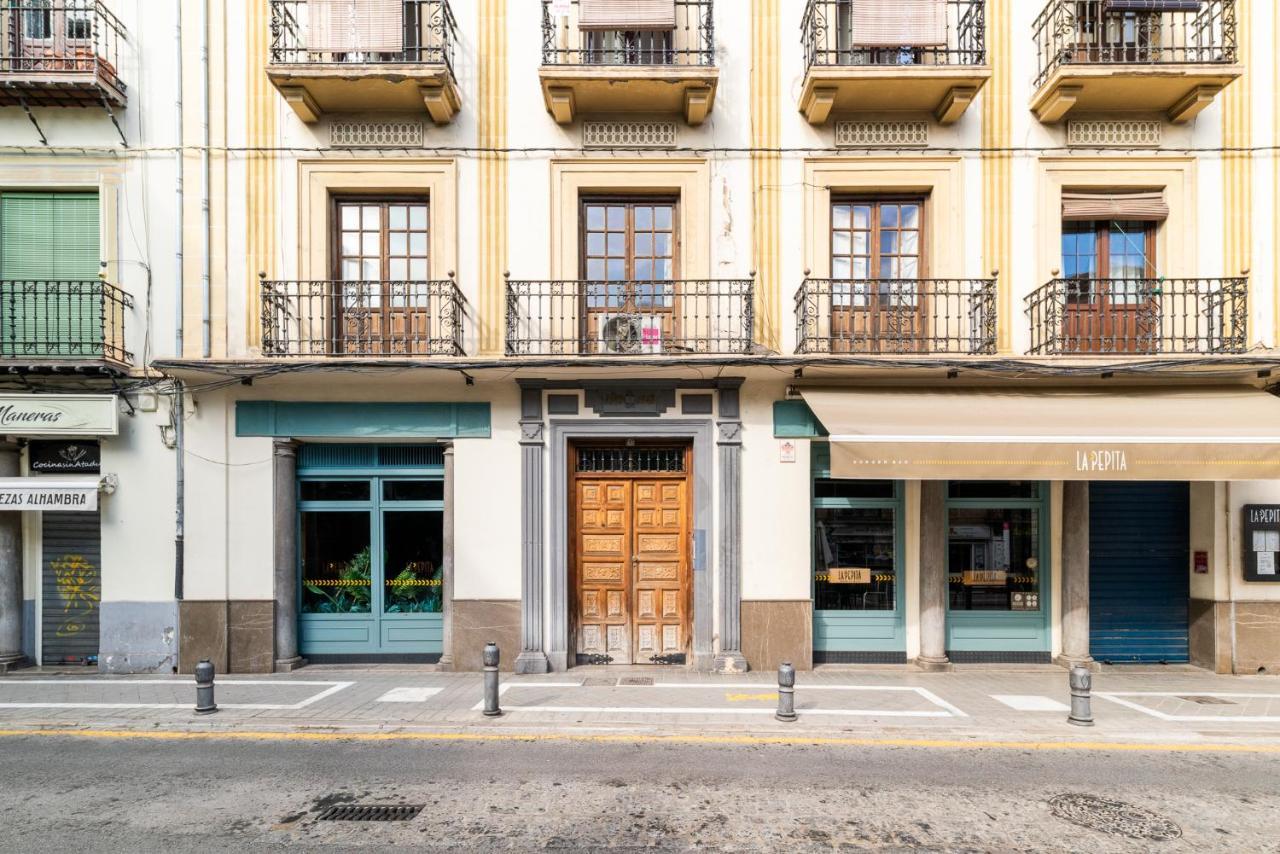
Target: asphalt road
{"x": 90, "y": 794}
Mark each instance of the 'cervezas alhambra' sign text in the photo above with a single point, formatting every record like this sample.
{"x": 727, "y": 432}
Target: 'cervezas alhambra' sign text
{"x": 58, "y": 415}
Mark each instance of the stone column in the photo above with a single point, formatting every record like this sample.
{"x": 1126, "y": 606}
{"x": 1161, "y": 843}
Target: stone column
{"x": 284, "y": 458}
{"x": 446, "y": 568}
{"x": 730, "y": 658}
{"x": 933, "y": 576}
{"x": 1075, "y": 574}
{"x": 11, "y": 654}
{"x": 533, "y": 446}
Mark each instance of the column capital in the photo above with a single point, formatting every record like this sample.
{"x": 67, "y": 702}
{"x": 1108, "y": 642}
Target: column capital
{"x": 284, "y": 447}
{"x": 730, "y": 433}
{"x": 532, "y": 433}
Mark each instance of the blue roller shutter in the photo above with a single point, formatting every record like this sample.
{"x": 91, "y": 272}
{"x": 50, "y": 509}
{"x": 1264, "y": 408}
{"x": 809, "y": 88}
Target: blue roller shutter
{"x": 1138, "y": 571}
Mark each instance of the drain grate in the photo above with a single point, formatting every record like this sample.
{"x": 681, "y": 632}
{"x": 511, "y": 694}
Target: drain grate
{"x": 1114, "y": 817}
{"x": 370, "y": 812}
{"x": 1205, "y": 700}
{"x": 636, "y": 680}
{"x": 598, "y": 682}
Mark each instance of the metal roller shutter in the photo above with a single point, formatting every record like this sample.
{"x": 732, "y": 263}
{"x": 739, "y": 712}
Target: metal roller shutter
{"x": 72, "y": 571}
{"x": 1139, "y": 581}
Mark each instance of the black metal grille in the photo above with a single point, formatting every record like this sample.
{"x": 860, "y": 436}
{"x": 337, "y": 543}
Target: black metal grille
{"x": 370, "y": 812}
{"x": 56, "y": 320}
{"x": 430, "y": 37}
{"x": 997, "y": 657}
{"x": 335, "y": 318}
{"x": 1140, "y": 316}
{"x": 692, "y": 42}
{"x": 633, "y": 318}
{"x": 896, "y": 316}
{"x": 830, "y": 34}
{"x": 821, "y": 656}
{"x": 1102, "y": 32}
{"x": 60, "y": 52}
{"x": 631, "y": 460}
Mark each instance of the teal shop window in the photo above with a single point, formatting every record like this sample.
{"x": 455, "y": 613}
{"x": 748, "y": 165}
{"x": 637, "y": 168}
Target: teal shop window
{"x": 853, "y": 489}
{"x": 337, "y": 562}
{"x": 855, "y": 565}
{"x": 989, "y": 489}
{"x": 334, "y": 490}
{"x": 993, "y": 558}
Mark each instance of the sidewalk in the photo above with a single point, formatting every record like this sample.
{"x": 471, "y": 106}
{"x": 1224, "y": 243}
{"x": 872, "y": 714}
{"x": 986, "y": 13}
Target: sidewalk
{"x": 1177, "y": 707}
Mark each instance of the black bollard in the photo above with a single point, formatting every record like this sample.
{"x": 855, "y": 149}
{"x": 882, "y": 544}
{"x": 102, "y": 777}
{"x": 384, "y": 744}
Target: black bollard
{"x": 491, "y": 680}
{"x": 786, "y": 692}
{"x": 204, "y": 688}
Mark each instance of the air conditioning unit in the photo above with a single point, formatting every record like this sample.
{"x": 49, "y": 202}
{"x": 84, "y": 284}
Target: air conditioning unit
{"x": 629, "y": 334}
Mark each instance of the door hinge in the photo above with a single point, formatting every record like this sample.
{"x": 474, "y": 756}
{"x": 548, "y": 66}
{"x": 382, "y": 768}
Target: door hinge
{"x": 668, "y": 658}
{"x": 594, "y": 658}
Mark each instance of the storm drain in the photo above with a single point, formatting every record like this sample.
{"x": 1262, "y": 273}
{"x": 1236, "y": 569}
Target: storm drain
{"x": 636, "y": 680}
{"x": 1113, "y": 817}
{"x": 370, "y": 812}
{"x": 598, "y": 682}
{"x": 1207, "y": 701}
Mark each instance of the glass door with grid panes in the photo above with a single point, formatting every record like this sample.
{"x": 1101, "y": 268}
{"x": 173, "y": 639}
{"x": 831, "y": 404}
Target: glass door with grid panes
{"x": 382, "y": 268}
{"x": 1111, "y": 304}
{"x": 876, "y": 264}
{"x": 629, "y": 260}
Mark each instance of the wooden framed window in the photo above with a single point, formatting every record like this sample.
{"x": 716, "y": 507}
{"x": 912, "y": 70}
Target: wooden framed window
{"x": 1111, "y": 291}
{"x": 875, "y": 240}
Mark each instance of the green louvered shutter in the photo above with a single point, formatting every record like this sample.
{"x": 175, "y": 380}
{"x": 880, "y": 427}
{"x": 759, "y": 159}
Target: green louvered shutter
{"x": 49, "y": 262}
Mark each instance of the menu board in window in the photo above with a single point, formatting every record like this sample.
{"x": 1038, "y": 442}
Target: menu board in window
{"x": 1261, "y": 542}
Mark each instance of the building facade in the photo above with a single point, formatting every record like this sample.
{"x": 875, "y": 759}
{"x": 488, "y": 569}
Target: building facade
{"x": 678, "y": 333}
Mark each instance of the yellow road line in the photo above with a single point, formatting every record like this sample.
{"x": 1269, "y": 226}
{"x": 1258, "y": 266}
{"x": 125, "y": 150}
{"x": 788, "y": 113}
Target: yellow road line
{"x": 744, "y": 698}
{"x": 944, "y": 744}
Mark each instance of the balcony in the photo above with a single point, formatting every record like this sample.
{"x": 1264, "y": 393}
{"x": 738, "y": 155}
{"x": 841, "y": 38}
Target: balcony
{"x": 870, "y": 56}
{"x": 1116, "y": 56}
{"x": 896, "y": 316}
{"x": 1139, "y": 317}
{"x": 64, "y": 53}
{"x": 669, "y": 318}
{"x": 343, "y": 56}
{"x": 603, "y": 58}
{"x": 61, "y": 325}
{"x": 361, "y": 319}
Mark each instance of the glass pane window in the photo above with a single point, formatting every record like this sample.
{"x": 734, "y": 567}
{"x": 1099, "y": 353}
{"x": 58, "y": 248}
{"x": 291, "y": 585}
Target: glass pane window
{"x": 413, "y": 490}
{"x": 412, "y": 564}
{"x": 632, "y": 243}
{"x": 993, "y": 489}
{"x": 993, "y": 559}
{"x": 1120, "y": 252}
{"x": 337, "y": 563}
{"x": 383, "y": 241}
{"x": 875, "y": 240}
{"x": 334, "y": 490}
{"x": 855, "y": 566}
{"x": 832, "y": 488}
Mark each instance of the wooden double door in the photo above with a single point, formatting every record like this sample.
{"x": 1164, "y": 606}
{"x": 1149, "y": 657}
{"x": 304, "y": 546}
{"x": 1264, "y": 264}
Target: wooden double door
{"x": 631, "y": 557}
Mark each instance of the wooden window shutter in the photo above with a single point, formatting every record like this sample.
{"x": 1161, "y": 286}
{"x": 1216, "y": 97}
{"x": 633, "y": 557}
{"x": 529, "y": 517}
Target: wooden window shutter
{"x": 899, "y": 23}
{"x": 627, "y": 15}
{"x": 1141, "y": 206}
{"x": 356, "y": 26}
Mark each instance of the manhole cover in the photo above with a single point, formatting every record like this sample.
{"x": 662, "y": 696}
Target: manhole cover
{"x": 370, "y": 812}
{"x": 1207, "y": 701}
{"x": 636, "y": 680}
{"x": 1114, "y": 817}
{"x": 598, "y": 682}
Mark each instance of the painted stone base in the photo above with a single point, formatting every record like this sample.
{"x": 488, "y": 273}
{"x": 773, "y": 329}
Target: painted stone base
{"x": 774, "y": 632}
{"x": 237, "y": 636}
{"x": 478, "y": 621}
{"x": 138, "y": 637}
{"x": 1256, "y": 647}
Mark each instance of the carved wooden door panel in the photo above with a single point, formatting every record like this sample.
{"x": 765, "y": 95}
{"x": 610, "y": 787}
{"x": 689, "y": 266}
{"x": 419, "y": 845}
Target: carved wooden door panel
{"x": 661, "y": 568}
{"x": 604, "y": 571}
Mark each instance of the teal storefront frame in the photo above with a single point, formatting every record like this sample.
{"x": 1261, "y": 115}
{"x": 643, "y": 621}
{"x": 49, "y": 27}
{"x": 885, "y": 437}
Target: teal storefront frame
{"x": 858, "y": 636}
{"x": 388, "y": 470}
{"x": 1005, "y": 631}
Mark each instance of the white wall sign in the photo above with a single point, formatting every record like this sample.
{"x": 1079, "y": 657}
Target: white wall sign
{"x": 33, "y": 493}
{"x": 561, "y": 8}
{"x": 59, "y": 415}
{"x": 787, "y": 451}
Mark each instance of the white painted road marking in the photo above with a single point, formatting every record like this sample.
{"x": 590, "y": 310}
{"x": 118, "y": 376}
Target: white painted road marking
{"x": 408, "y": 695}
{"x": 1031, "y": 703}
{"x": 1117, "y": 697}
{"x": 334, "y": 687}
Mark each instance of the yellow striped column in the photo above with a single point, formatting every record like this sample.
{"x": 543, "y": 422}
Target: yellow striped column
{"x": 997, "y": 166}
{"x": 766, "y": 168}
{"x": 260, "y": 174}
{"x": 492, "y": 123}
{"x": 1237, "y": 166}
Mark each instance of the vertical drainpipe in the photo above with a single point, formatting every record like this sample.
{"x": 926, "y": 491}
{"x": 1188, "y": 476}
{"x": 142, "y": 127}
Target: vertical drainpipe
{"x": 179, "y": 405}
{"x": 206, "y": 346}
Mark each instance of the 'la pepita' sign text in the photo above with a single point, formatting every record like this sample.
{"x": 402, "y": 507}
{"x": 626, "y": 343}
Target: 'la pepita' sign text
{"x": 58, "y": 415}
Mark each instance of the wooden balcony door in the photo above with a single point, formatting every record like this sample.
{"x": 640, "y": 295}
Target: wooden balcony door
{"x": 876, "y": 257}
{"x": 381, "y": 304}
{"x": 631, "y": 555}
{"x": 1116, "y": 37}
{"x": 55, "y": 36}
{"x": 1110, "y": 303}
{"x": 629, "y": 259}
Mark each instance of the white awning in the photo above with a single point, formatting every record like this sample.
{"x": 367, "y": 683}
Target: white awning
{"x": 61, "y": 494}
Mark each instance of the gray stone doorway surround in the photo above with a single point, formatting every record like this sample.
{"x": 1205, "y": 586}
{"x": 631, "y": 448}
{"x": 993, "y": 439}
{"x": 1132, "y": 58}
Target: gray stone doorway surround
{"x": 552, "y": 527}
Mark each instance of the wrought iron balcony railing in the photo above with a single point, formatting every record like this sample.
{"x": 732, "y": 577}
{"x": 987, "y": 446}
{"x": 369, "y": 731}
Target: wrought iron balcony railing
{"x": 374, "y": 319}
{"x": 1139, "y": 316}
{"x": 390, "y": 31}
{"x": 836, "y": 32}
{"x": 1129, "y": 32}
{"x": 690, "y": 42}
{"x": 63, "y": 320}
{"x": 896, "y": 316}
{"x": 60, "y": 53}
{"x": 669, "y": 318}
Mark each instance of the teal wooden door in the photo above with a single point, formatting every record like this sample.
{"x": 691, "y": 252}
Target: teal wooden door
{"x": 50, "y": 295}
{"x": 371, "y": 555}
{"x": 857, "y": 568}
